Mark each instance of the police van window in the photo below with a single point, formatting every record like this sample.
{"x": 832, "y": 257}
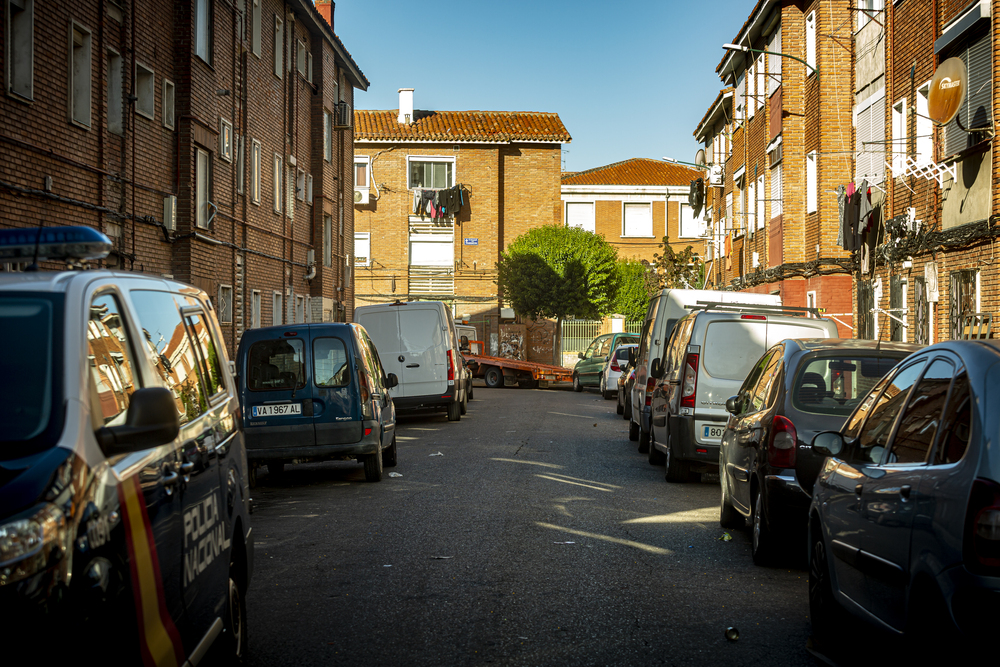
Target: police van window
{"x": 277, "y": 364}
{"x": 112, "y": 380}
{"x": 207, "y": 353}
{"x": 31, "y": 329}
{"x": 330, "y": 367}
{"x": 170, "y": 351}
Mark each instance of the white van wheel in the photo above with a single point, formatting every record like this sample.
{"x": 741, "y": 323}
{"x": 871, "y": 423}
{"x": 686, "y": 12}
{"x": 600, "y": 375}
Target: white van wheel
{"x": 454, "y": 411}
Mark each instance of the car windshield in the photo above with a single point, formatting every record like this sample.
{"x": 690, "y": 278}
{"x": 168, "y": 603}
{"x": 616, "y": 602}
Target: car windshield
{"x": 31, "y": 328}
{"x": 835, "y": 385}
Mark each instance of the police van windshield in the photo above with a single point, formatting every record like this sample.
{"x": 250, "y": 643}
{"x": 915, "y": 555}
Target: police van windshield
{"x": 31, "y": 391}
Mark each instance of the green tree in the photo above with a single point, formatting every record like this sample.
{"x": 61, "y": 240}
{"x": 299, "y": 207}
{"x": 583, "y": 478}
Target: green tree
{"x": 680, "y": 270}
{"x": 636, "y": 283}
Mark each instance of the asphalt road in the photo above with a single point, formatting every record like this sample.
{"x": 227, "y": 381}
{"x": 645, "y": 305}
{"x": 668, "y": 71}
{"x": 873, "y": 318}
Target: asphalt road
{"x": 538, "y": 536}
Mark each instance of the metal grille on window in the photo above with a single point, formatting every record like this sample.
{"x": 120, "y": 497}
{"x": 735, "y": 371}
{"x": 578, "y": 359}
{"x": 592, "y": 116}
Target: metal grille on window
{"x": 866, "y": 318}
{"x": 895, "y": 308}
{"x": 962, "y": 300}
{"x": 921, "y": 312}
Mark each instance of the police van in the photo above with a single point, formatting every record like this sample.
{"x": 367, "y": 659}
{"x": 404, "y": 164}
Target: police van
{"x": 124, "y": 503}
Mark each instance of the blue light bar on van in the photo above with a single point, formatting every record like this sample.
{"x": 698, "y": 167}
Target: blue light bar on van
{"x": 56, "y": 243}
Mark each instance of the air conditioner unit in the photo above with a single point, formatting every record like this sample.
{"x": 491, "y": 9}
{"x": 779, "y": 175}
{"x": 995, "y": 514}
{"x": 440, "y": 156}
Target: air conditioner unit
{"x": 343, "y": 117}
{"x": 717, "y": 176}
{"x": 170, "y": 212}
{"x": 361, "y": 196}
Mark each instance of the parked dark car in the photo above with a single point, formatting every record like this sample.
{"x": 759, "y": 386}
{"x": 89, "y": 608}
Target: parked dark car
{"x": 625, "y": 382}
{"x": 315, "y": 392}
{"x": 904, "y": 525}
{"x": 798, "y": 388}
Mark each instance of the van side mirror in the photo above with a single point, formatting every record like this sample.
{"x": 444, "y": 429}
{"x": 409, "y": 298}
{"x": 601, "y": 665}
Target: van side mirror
{"x": 828, "y": 443}
{"x": 151, "y": 421}
{"x": 656, "y": 368}
{"x": 391, "y": 381}
{"x": 733, "y": 405}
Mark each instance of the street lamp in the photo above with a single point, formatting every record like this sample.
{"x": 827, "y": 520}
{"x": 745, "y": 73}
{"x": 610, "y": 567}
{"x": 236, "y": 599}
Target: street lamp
{"x": 747, "y": 49}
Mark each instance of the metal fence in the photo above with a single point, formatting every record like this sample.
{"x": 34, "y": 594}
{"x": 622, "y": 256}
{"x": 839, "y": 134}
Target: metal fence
{"x": 577, "y": 335}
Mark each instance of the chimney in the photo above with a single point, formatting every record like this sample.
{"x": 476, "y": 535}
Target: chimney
{"x": 325, "y": 9}
{"x": 405, "y": 106}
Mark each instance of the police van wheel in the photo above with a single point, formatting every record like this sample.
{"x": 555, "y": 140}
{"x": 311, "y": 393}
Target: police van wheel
{"x": 252, "y": 475}
{"x": 373, "y": 466}
{"x": 236, "y": 622}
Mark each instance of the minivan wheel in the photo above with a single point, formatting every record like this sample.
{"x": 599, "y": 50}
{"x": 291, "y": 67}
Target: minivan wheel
{"x": 656, "y": 457}
{"x": 643, "y": 442}
{"x": 676, "y": 471}
{"x": 626, "y": 412}
{"x": 389, "y": 455}
{"x": 728, "y": 516}
{"x": 763, "y": 539}
{"x": 621, "y": 408}
{"x": 576, "y": 383}
{"x": 633, "y": 431}
{"x": 373, "y": 465}
{"x": 464, "y": 405}
{"x": 454, "y": 411}
{"x": 470, "y": 389}
{"x": 493, "y": 377}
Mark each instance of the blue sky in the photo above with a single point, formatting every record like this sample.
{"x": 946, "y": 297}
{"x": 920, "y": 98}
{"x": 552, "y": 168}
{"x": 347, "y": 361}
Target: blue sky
{"x": 628, "y": 78}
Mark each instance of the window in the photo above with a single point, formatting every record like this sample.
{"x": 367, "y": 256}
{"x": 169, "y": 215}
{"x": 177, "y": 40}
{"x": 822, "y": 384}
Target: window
{"x": 361, "y": 167}
{"x": 300, "y": 185}
{"x": 580, "y": 214}
{"x": 898, "y": 309}
{"x": 110, "y": 358}
{"x": 759, "y": 97}
{"x": 899, "y": 145}
{"x": 963, "y": 296}
{"x": 728, "y": 221}
{"x": 225, "y": 304}
{"x": 975, "y": 111}
{"x": 309, "y": 301}
{"x": 300, "y": 57}
{"x": 276, "y": 191}
{"x": 956, "y": 427}
{"x": 203, "y": 30}
{"x": 690, "y": 226}
{"x": 759, "y": 202}
{"x": 751, "y": 82}
{"x": 328, "y": 240}
{"x": 168, "y": 104}
{"x": 300, "y": 310}
{"x": 876, "y": 431}
{"x": 20, "y": 47}
{"x": 115, "y": 98}
{"x": 203, "y": 184}
{"x": 811, "y": 41}
{"x": 362, "y": 248}
{"x": 919, "y": 424}
{"x": 870, "y": 145}
{"x": 145, "y": 87}
{"x": 225, "y": 140}
{"x": 776, "y": 190}
{"x": 330, "y": 367}
{"x": 309, "y": 67}
{"x": 872, "y": 7}
{"x": 738, "y": 218}
{"x": 309, "y": 189}
{"x": 255, "y": 309}
{"x": 79, "y": 74}
{"x": 279, "y": 47}
{"x": 277, "y": 364}
{"x": 290, "y": 187}
{"x": 327, "y": 136}
{"x": 240, "y": 164}
{"x": 255, "y": 28}
{"x": 435, "y": 172}
{"x": 811, "y": 183}
{"x": 740, "y": 97}
{"x": 638, "y": 220}
{"x": 774, "y": 61}
{"x": 255, "y": 170}
{"x": 751, "y": 207}
{"x": 925, "y": 127}
{"x": 277, "y": 303}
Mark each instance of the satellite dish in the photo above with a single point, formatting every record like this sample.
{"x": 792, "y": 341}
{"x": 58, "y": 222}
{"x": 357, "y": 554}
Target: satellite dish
{"x": 699, "y": 158}
{"x": 947, "y": 91}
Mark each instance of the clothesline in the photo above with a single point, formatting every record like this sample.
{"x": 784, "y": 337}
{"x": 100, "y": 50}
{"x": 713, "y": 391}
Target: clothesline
{"x": 442, "y": 203}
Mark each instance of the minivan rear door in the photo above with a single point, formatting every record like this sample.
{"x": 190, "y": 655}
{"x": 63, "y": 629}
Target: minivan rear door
{"x": 278, "y": 402}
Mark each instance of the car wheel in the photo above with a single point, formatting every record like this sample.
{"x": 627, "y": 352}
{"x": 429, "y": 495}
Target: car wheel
{"x": 236, "y": 619}
{"x": 454, "y": 411}
{"x": 464, "y": 405}
{"x": 656, "y": 457}
{"x": 493, "y": 377}
{"x": 728, "y": 516}
{"x": 627, "y": 412}
{"x": 633, "y": 431}
{"x": 621, "y": 408}
{"x": 389, "y": 455}
{"x": 576, "y": 383}
{"x": 676, "y": 471}
{"x": 763, "y": 541}
{"x": 604, "y": 389}
{"x": 276, "y": 469}
{"x": 373, "y": 465}
{"x": 252, "y": 475}
{"x": 825, "y": 613}
{"x": 470, "y": 390}
{"x": 643, "y": 442}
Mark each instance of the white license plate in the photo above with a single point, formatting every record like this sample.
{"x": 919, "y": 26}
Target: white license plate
{"x": 713, "y": 432}
{"x": 277, "y": 410}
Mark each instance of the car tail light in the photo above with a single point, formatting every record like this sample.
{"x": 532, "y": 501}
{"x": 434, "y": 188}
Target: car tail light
{"x": 650, "y": 386}
{"x": 689, "y": 382}
{"x": 982, "y": 527}
{"x": 451, "y": 366}
{"x": 781, "y": 447}
{"x": 614, "y": 366}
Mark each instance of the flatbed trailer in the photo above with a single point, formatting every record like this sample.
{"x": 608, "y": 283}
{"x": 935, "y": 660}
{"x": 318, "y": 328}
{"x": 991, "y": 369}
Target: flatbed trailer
{"x": 499, "y": 372}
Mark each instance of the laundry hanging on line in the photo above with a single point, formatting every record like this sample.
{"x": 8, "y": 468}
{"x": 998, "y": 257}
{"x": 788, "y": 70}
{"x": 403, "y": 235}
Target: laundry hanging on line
{"x": 439, "y": 203}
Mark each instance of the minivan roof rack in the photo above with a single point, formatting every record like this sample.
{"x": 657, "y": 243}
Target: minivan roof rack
{"x": 733, "y": 307}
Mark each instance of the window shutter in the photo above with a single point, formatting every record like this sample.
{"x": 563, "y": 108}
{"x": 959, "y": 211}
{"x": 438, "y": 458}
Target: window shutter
{"x": 638, "y": 220}
{"x": 776, "y": 203}
{"x": 862, "y": 162}
{"x": 876, "y": 118}
{"x": 975, "y": 110}
{"x": 740, "y": 95}
{"x": 774, "y": 62}
{"x": 580, "y": 214}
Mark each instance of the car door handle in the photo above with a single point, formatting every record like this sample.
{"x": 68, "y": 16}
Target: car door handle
{"x": 413, "y": 365}
{"x": 904, "y": 491}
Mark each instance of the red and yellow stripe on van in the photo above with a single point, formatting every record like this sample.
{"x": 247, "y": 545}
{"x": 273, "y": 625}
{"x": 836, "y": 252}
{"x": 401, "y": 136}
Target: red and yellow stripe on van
{"x": 158, "y": 637}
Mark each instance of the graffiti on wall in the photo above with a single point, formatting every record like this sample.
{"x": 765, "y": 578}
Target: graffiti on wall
{"x": 512, "y": 342}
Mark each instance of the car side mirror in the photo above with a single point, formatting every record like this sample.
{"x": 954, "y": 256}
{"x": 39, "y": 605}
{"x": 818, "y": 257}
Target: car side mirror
{"x": 656, "y": 368}
{"x": 828, "y": 443}
{"x": 581, "y": 355}
{"x": 391, "y": 381}
{"x": 151, "y": 421}
{"x": 733, "y": 405}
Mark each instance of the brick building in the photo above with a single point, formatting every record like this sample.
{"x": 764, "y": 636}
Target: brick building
{"x": 209, "y": 140}
{"x": 786, "y": 147}
{"x": 506, "y": 166}
{"x": 633, "y": 204}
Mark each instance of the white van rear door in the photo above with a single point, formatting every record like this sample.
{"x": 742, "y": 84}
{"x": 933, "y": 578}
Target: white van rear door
{"x": 730, "y": 350}
{"x": 383, "y": 328}
{"x": 424, "y": 346}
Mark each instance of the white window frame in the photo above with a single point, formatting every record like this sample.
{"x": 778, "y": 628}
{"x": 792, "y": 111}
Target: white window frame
{"x": 19, "y": 49}
{"x": 277, "y": 174}
{"x": 225, "y": 306}
{"x": 300, "y": 309}
{"x": 327, "y": 135}
{"x": 79, "y": 90}
{"x": 240, "y": 144}
{"x": 924, "y": 131}
{"x": 145, "y": 90}
{"x": 410, "y": 159}
{"x": 697, "y": 224}
{"x": 636, "y": 205}
{"x": 751, "y": 209}
{"x": 362, "y": 159}
{"x": 116, "y": 96}
{"x": 362, "y": 249}
{"x": 590, "y": 224}
{"x": 255, "y": 306}
{"x": 811, "y": 43}
{"x": 864, "y": 18}
{"x": 300, "y": 57}
{"x": 225, "y": 140}
{"x": 309, "y": 189}
{"x": 255, "y": 31}
{"x": 291, "y": 185}
{"x": 203, "y": 187}
{"x": 760, "y": 209}
{"x": 300, "y": 184}
{"x": 167, "y": 104}
{"x": 812, "y": 184}
{"x": 277, "y": 308}
{"x": 256, "y": 166}
{"x": 327, "y": 240}
{"x": 898, "y": 141}
{"x": 777, "y": 188}
{"x": 279, "y": 46}
{"x": 309, "y": 67}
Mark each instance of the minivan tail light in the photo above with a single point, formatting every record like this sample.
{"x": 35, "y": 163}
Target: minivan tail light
{"x": 650, "y": 386}
{"x": 781, "y": 446}
{"x": 982, "y": 528}
{"x": 689, "y": 382}
{"x": 451, "y": 366}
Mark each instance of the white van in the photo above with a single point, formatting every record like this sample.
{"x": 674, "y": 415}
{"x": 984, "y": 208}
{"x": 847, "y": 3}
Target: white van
{"x": 417, "y": 341}
{"x": 663, "y": 312}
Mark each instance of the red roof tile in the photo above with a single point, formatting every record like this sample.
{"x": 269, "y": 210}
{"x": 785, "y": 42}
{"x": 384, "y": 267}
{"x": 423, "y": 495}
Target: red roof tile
{"x": 459, "y": 126}
{"x": 635, "y": 171}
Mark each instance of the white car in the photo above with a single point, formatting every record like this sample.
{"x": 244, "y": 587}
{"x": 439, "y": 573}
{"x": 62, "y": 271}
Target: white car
{"x": 617, "y": 361}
